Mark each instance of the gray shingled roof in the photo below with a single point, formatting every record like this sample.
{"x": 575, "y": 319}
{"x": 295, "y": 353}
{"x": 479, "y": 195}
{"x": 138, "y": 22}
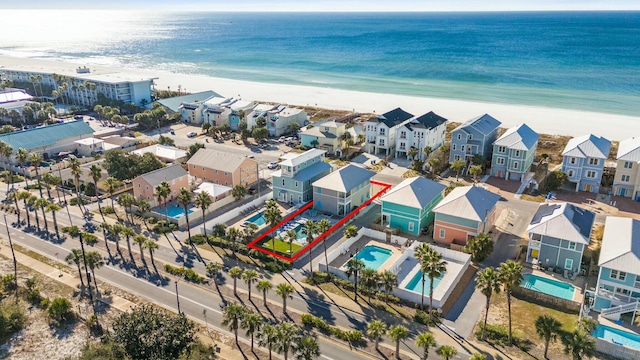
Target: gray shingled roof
{"x": 563, "y": 221}
{"x": 429, "y": 121}
{"x": 218, "y": 160}
{"x": 629, "y": 149}
{"x": 45, "y": 135}
{"x": 174, "y": 103}
{"x": 416, "y": 192}
{"x": 484, "y": 124}
{"x": 468, "y": 202}
{"x": 519, "y": 137}
{"x": 621, "y": 245}
{"x": 168, "y": 173}
{"x": 345, "y": 178}
{"x": 588, "y": 146}
{"x": 393, "y": 117}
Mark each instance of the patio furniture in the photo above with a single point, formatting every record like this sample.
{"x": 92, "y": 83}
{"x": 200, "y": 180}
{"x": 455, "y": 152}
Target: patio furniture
{"x": 566, "y": 274}
{"x": 574, "y": 276}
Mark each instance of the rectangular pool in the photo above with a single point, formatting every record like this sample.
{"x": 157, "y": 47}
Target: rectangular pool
{"x": 617, "y": 336}
{"x": 175, "y": 212}
{"x": 373, "y": 256}
{"x": 258, "y": 219}
{"x": 415, "y": 284}
{"x": 548, "y": 286}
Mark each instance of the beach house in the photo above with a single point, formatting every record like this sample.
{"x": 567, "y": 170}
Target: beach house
{"x": 408, "y": 206}
{"x": 325, "y": 135}
{"x": 144, "y": 186}
{"x": 463, "y": 214}
{"x": 381, "y": 131}
{"x": 292, "y": 182}
{"x": 49, "y": 141}
{"x": 426, "y": 131}
{"x": 619, "y": 263}
{"x": 475, "y": 136}
{"x": 513, "y": 153}
{"x": 627, "y": 179}
{"x": 558, "y": 235}
{"x": 277, "y": 118}
{"x": 181, "y": 103}
{"x": 343, "y": 190}
{"x": 583, "y": 161}
{"x": 222, "y": 168}
{"x": 165, "y": 153}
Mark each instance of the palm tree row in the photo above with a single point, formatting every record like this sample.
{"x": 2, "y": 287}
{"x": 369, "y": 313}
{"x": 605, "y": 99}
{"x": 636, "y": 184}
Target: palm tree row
{"x": 119, "y": 231}
{"x": 432, "y": 266}
{"x": 93, "y": 261}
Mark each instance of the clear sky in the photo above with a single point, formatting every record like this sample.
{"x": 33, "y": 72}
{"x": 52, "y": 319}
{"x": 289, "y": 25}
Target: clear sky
{"x": 328, "y": 5}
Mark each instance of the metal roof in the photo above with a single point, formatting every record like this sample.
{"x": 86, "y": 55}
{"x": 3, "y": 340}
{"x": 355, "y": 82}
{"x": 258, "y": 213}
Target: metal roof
{"x": 13, "y": 95}
{"x": 46, "y": 135}
{"x": 162, "y": 151}
{"x": 621, "y": 245}
{"x": 393, "y": 117}
{"x": 302, "y": 158}
{"x": 468, "y": 202}
{"x": 563, "y": 221}
{"x": 629, "y": 149}
{"x": 588, "y": 146}
{"x": 218, "y": 160}
{"x": 519, "y": 137}
{"x": 345, "y": 178}
{"x": 310, "y": 172}
{"x": 155, "y": 177}
{"x": 212, "y": 189}
{"x": 416, "y": 192}
{"x": 174, "y": 103}
{"x": 484, "y": 124}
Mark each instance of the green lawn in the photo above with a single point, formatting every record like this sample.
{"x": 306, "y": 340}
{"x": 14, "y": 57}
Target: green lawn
{"x": 282, "y": 247}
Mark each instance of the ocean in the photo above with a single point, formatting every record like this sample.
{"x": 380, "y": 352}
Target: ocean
{"x": 574, "y": 60}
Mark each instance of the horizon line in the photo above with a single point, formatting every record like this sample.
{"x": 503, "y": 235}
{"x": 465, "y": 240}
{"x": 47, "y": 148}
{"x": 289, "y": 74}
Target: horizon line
{"x": 169, "y": 9}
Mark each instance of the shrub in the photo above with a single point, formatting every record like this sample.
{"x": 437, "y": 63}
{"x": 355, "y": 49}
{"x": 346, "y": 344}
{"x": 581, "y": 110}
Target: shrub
{"x": 9, "y": 282}
{"x": 500, "y": 334}
{"x": 151, "y": 220}
{"x": 11, "y": 319}
{"x": 74, "y": 201}
{"x": 60, "y": 310}
{"x": 108, "y": 210}
{"x": 162, "y": 227}
{"x": 380, "y": 295}
{"x": 307, "y": 319}
{"x": 89, "y": 238}
{"x": 44, "y": 303}
{"x": 188, "y": 274}
{"x": 198, "y": 239}
{"x": 422, "y": 317}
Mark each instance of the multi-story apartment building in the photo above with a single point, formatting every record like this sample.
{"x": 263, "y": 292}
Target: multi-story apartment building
{"x": 381, "y": 131}
{"x": 223, "y": 168}
{"x": 292, "y": 182}
{"x": 425, "y": 131}
{"x": 144, "y": 186}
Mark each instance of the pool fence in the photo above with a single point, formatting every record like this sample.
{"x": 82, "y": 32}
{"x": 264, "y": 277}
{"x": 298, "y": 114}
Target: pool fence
{"x": 615, "y": 350}
{"x": 235, "y": 212}
{"x": 546, "y": 299}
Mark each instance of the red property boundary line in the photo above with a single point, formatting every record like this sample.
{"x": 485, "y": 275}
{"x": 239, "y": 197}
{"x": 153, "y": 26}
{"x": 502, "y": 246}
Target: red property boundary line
{"x": 252, "y": 245}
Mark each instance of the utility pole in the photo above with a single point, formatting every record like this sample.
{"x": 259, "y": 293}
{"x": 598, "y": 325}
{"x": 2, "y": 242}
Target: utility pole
{"x": 86, "y": 269}
{"x": 64, "y": 196}
{"x": 177, "y": 297}
{"x": 15, "y": 263}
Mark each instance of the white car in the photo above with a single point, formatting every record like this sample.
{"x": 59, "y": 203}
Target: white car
{"x": 192, "y": 134}
{"x": 272, "y": 165}
{"x": 282, "y": 139}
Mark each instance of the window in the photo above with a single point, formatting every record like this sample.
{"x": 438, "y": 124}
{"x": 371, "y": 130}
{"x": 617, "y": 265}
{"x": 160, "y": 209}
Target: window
{"x": 319, "y": 190}
{"x": 628, "y": 164}
{"x": 383, "y": 131}
{"x": 453, "y": 147}
{"x": 500, "y": 161}
{"x": 381, "y": 142}
{"x": 502, "y": 149}
{"x": 225, "y": 173}
{"x": 441, "y": 233}
{"x": 403, "y": 134}
{"x": 462, "y": 148}
{"x": 515, "y": 165}
{"x": 568, "y": 264}
{"x": 591, "y": 174}
{"x": 570, "y": 173}
{"x": 459, "y": 136}
{"x": 456, "y": 157}
{"x": 572, "y": 161}
{"x": 139, "y": 186}
{"x": 296, "y": 184}
{"x": 626, "y": 178}
{"x": 572, "y": 245}
{"x": 203, "y": 169}
{"x": 619, "y": 275}
{"x": 517, "y": 153}
{"x": 411, "y": 226}
{"x": 470, "y": 137}
{"x": 146, "y": 186}
{"x": 593, "y": 161}
{"x": 282, "y": 182}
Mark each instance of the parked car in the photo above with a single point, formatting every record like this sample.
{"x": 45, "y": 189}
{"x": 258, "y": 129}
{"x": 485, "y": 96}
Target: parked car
{"x": 282, "y": 139}
{"x": 252, "y": 190}
{"x": 273, "y": 165}
{"x": 191, "y": 134}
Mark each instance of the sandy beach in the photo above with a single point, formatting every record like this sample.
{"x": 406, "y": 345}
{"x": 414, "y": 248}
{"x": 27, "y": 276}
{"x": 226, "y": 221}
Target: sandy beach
{"x": 541, "y": 119}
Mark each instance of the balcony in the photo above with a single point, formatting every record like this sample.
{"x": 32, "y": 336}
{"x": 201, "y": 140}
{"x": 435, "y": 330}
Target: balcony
{"x": 535, "y": 244}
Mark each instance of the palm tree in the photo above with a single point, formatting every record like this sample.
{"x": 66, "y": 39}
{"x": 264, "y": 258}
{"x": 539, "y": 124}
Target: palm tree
{"x": 375, "y": 330}
{"x": 267, "y": 337}
{"x": 75, "y": 257}
{"x": 32, "y": 203}
{"x": 13, "y": 197}
{"x": 239, "y": 192}
{"x": 579, "y": 345}
{"x": 233, "y": 234}
{"x": 76, "y": 171}
{"x": 25, "y": 196}
{"x": 475, "y": 170}
{"x": 52, "y": 208}
{"x": 309, "y": 229}
{"x": 398, "y": 333}
{"x": 162, "y": 192}
{"x": 446, "y": 351}
{"x": 117, "y": 230}
{"x": 35, "y": 159}
{"x": 185, "y": 198}
{"x": 140, "y": 240}
{"x": 232, "y": 316}
{"x": 127, "y": 200}
{"x": 249, "y": 277}
{"x": 41, "y": 203}
{"x": 151, "y": 245}
{"x": 287, "y": 334}
{"x": 306, "y": 348}
{"x": 128, "y": 234}
{"x": 435, "y": 268}
{"x": 510, "y": 273}
{"x": 285, "y": 291}
{"x": 249, "y": 231}
{"x": 478, "y": 356}
{"x": 23, "y": 155}
{"x": 50, "y": 180}
{"x": 96, "y": 175}
{"x": 488, "y": 282}
{"x": 412, "y": 153}
{"x": 425, "y": 341}
{"x": 6, "y": 151}
{"x": 213, "y": 268}
{"x": 389, "y": 280}
{"x": 422, "y": 253}
{"x": 291, "y": 236}
{"x": 251, "y": 322}
{"x": 105, "y": 228}
{"x": 203, "y": 201}
{"x": 434, "y": 163}
{"x": 350, "y": 231}
{"x": 144, "y": 206}
{"x": 370, "y": 281}
{"x": 354, "y": 267}
{"x": 458, "y": 166}
{"x": 323, "y": 226}
{"x": 235, "y": 273}
{"x": 548, "y": 328}
{"x": 264, "y": 286}
{"x": 112, "y": 184}
{"x": 273, "y": 217}
{"x": 94, "y": 261}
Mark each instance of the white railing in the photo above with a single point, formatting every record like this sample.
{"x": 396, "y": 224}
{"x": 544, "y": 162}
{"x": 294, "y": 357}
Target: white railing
{"x": 535, "y": 243}
{"x": 614, "y": 313}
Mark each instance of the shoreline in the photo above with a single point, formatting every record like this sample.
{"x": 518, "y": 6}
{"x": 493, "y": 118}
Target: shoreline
{"x": 544, "y": 120}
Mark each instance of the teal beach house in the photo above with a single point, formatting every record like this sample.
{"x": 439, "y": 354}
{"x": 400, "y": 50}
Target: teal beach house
{"x": 513, "y": 153}
{"x": 408, "y": 205}
{"x": 292, "y": 183}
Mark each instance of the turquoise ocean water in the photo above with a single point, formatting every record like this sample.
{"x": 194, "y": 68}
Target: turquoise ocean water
{"x": 575, "y": 60}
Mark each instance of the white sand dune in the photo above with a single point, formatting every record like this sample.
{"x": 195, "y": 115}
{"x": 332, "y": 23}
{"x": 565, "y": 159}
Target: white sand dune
{"x": 541, "y": 119}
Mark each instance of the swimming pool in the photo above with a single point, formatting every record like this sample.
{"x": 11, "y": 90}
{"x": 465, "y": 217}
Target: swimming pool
{"x": 617, "y": 336}
{"x": 175, "y": 212}
{"x": 258, "y": 219}
{"x": 373, "y": 256}
{"x": 415, "y": 284}
{"x": 548, "y": 286}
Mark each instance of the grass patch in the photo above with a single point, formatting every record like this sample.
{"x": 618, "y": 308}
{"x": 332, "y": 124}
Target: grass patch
{"x": 281, "y": 247}
{"x": 393, "y": 309}
{"x": 538, "y": 198}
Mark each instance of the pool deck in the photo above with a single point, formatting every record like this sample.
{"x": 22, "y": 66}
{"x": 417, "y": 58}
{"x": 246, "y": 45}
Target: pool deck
{"x": 359, "y": 245}
{"x": 412, "y": 267}
{"x": 579, "y": 283}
